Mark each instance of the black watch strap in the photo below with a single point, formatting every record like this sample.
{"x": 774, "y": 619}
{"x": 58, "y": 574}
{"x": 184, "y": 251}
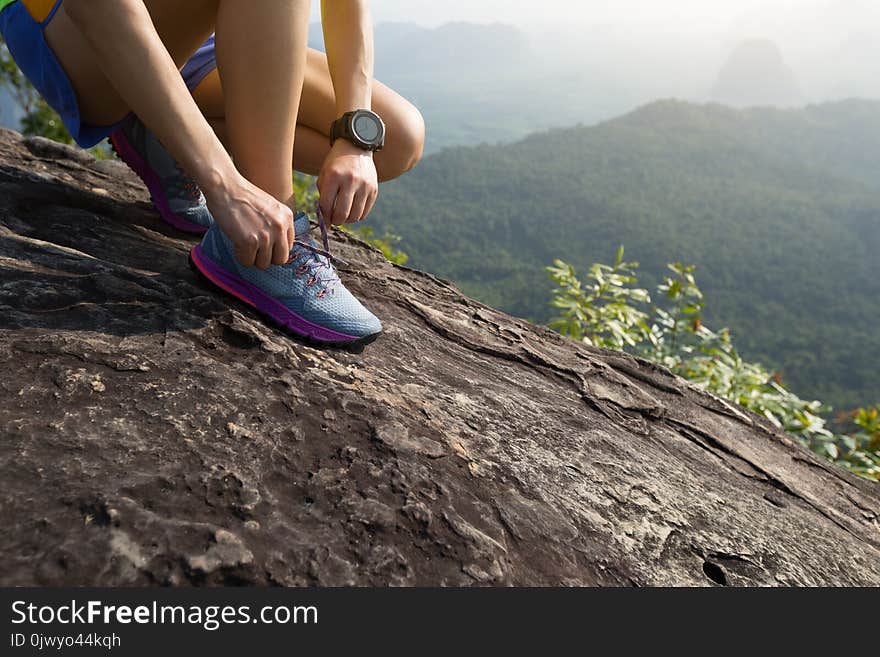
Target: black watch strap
{"x": 342, "y": 128}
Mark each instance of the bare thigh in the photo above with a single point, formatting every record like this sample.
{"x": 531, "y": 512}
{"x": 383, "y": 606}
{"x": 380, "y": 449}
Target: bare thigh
{"x": 318, "y": 106}
{"x": 405, "y": 127}
{"x": 182, "y": 26}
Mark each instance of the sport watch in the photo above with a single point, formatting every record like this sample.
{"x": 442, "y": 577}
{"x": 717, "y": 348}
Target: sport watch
{"x": 363, "y": 128}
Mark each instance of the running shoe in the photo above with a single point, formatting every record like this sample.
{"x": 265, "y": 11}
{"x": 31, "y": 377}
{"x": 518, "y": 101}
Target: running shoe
{"x": 305, "y": 296}
{"x": 176, "y": 196}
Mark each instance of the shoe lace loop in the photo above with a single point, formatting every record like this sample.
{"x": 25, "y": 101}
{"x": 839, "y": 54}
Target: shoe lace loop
{"x": 320, "y": 260}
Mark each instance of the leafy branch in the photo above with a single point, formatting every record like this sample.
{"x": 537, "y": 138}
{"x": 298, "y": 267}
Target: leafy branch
{"x": 609, "y": 310}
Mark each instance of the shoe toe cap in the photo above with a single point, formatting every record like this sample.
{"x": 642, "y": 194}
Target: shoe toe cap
{"x": 370, "y": 325}
{"x": 344, "y": 314}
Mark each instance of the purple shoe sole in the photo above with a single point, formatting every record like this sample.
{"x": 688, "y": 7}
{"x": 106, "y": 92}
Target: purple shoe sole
{"x": 136, "y": 163}
{"x": 269, "y": 307}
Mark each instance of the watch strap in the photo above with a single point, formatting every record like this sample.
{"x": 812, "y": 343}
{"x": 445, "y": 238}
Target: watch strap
{"x": 341, "y": 128}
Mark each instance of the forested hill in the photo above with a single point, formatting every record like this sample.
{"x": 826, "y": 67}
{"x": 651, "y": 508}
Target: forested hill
{"x": 780, "y": 210}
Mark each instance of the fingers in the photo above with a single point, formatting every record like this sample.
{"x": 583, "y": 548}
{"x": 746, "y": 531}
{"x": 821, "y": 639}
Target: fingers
{"x": 273, "y": 241}
{"x": 282, "y": 224}
{"x": 348, "y": 188}
{"x": 347, "y": 204}
{"x": 342, "y": 207}
{"x": 246, "y": 250}
{"x": 280, "y": 249}
{"x": 260, "y": 249}
{"x": 291, "y": 236}
{"x": 263, "y": 230}
{"x": 265, "y": 252}
{"x": 358, "y": 206}
{"x": 371, "y": 201}
{"x": 260, "y": 227}
{"x": 328, "y": 188}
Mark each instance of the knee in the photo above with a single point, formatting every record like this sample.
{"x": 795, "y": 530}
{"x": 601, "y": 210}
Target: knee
{"x": 405, "y": 142}
{"x": 414, "y": 137}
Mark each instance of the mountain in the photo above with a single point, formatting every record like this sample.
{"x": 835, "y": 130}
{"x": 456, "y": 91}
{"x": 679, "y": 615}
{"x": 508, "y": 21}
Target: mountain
{"x": 411, "y": 49}
{"x": 496, "y": 83}
{"x": 756, "y": 75}
{"x": 831, "y": 45}
{"x": 779, "y": 209}
{"x": 462, "y": 77}
{"x": 488, "y": 83}
{"x": 155, "y": 434}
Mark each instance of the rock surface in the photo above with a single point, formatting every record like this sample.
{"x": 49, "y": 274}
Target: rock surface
{"x": 150, "y": 433}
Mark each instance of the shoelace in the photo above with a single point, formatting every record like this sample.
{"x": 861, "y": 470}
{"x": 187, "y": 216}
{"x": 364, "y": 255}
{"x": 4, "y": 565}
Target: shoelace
{"x": 315, "y": 265}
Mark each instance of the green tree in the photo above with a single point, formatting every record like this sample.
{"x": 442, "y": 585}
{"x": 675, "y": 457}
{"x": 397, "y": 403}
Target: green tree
{"x": 602, "y": 312}
{"x": 305, "y": 192}
{"x": 39, "y": 119}
{"x": 744, "y": 195}
{"x": 610, "y": 310}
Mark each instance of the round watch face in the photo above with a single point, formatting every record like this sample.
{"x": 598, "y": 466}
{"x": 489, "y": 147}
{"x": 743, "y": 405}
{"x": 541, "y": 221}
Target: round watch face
{"x": 367, "y": 128}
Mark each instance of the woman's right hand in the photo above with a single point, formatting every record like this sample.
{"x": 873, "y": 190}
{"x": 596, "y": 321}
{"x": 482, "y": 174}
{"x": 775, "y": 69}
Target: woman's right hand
{"x": 260, "y": 227}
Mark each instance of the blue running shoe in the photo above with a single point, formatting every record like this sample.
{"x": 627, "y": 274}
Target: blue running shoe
{"x": 176, "y": 196}
{"x": 304, "y": 296}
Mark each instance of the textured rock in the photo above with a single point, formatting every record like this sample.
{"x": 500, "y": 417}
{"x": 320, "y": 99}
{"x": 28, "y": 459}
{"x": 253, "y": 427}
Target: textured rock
{"x": 152, "y": 434}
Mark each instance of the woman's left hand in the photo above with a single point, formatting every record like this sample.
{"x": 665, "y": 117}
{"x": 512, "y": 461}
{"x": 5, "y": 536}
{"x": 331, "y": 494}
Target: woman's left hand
{"x": 348, "y": 184}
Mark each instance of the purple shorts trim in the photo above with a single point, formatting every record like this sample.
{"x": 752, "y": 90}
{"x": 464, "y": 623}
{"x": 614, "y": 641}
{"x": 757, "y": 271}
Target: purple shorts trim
{"x": 199, "y": 65}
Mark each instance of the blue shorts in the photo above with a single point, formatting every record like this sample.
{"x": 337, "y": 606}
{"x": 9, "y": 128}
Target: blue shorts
{"x": 199, "y": 65}
{"x": 27, "y": 44}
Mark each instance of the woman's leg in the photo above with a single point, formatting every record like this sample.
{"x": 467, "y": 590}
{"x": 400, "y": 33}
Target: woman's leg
{"x": 261, "y": 55}
{"x": 261, "y": 51}
{"x": 182, "y": 26}
{"x": 405, "y": 127}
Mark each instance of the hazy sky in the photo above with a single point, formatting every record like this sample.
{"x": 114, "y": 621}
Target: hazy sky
{"x": 680, "y": 13}
{"x": 833, "y": 45}
{"x": 566, "y": 11}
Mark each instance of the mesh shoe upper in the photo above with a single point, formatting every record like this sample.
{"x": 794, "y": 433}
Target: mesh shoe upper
{"x": 308, "y": 284}
{"x": 182, "y": 193}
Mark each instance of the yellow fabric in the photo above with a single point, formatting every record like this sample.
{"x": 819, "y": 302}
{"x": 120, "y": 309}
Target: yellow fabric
{"x": 39, "y": 9}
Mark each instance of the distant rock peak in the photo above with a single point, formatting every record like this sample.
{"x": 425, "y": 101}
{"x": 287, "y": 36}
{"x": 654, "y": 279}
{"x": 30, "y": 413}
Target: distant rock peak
{"x": 756, "y": 74}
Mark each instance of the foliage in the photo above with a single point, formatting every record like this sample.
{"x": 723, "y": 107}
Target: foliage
{"x": 45, "y": 122}
{"x": 600, "y": 313}
{"x": 386, "y": 243}
{"x": 39, "y": 119}
{"x": 778, "y": 209}
{"x": 862, "y": 446}
{"x": 609, "y": 310}
{"x": 306, "y": 194}
{"x": 305, "y": 191}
